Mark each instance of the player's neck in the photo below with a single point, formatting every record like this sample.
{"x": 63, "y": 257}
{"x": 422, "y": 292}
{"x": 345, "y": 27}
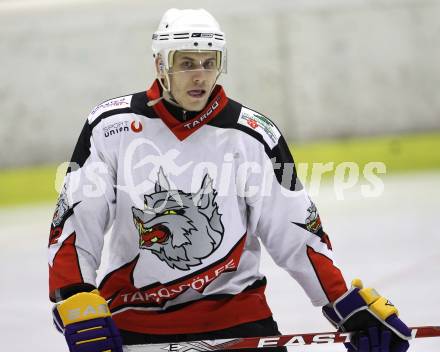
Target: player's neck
{"x": 178, "y": 112}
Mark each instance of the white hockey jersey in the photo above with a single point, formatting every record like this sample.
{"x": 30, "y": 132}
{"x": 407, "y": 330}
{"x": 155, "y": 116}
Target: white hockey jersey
{"x": 187, "y": 205}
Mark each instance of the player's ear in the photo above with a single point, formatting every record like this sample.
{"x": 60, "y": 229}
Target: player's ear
{"x": 160, "y": 67}
{"x": 160, "y": 71}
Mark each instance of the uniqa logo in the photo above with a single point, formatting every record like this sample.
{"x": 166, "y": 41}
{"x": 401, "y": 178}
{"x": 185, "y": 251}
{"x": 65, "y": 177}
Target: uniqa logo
{"x": 135, "y": 128}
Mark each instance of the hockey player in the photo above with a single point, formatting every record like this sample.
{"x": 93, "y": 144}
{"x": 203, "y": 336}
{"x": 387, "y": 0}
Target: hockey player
{"x": 187, "y": 182}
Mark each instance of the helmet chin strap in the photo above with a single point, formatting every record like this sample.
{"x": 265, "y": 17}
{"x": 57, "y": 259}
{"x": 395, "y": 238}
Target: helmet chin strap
{"x": 164, "y": 89}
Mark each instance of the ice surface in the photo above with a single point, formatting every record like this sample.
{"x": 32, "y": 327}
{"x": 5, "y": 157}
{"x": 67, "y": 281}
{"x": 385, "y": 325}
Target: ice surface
{"x": 392, "y": 242}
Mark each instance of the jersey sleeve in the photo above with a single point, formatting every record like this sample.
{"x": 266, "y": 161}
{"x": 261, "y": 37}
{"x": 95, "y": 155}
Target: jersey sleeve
{"x": 288, "y": 224}
{"x": 84, "y": 212}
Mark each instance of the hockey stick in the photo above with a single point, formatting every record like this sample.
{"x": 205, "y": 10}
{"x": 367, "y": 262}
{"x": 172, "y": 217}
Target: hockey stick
{"x": 270, "y": 341}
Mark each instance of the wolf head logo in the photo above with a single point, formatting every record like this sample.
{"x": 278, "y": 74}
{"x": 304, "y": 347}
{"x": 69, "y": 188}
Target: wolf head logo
{"x": 179, "y": 228}
{"x": 313, "y": 221}
{"x": 61, "y": 208}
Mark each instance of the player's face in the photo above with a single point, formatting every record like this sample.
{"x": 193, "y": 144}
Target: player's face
{"x": 192, "y": 77}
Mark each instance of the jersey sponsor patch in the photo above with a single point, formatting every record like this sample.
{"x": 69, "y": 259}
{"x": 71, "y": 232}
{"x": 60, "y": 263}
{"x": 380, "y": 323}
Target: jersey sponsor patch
{"x": 116, "y": 103}
{"x": 112, "y": 128}
{"x": 260, "y": 124}
{"x": 117, "y": 127}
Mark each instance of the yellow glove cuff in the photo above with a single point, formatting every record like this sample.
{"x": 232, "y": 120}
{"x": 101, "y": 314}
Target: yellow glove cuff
{"x": 378, "y": 305}
{"x": 83, "y": 306}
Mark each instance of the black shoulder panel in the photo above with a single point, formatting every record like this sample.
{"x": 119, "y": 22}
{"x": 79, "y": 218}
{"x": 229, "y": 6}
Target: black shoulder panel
{"x": 228, "y": 117}
{"x": 282, "y": 160}
{"x": 82, "y": 149}
{"x": 139, "y": 105}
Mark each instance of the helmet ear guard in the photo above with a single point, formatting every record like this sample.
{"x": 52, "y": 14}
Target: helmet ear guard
{"x": 161, "y": 72}
{"x": 161, "y": 67}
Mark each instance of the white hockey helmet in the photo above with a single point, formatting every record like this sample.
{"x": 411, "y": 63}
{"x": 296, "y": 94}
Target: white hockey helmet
{"x": 195, "y": 30}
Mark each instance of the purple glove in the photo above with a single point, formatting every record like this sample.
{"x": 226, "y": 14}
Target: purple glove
{"x": 86, "y": 323}
{"x": 376, "y": 340}
{"x": 104, "y": 335}
{"x": 371, "y": 318}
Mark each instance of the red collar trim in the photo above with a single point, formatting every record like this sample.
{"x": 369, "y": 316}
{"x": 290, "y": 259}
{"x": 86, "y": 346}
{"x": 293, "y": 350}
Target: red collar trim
{"x": 183, "y": 129}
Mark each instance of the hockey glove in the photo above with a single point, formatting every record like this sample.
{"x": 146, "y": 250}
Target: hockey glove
{"x": 86, "y": 323}
{"x": 371, "y": 318}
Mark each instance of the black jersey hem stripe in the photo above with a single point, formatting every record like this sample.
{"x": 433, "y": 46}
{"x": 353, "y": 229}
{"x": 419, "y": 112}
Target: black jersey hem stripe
{"x": 262, "y": 327}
